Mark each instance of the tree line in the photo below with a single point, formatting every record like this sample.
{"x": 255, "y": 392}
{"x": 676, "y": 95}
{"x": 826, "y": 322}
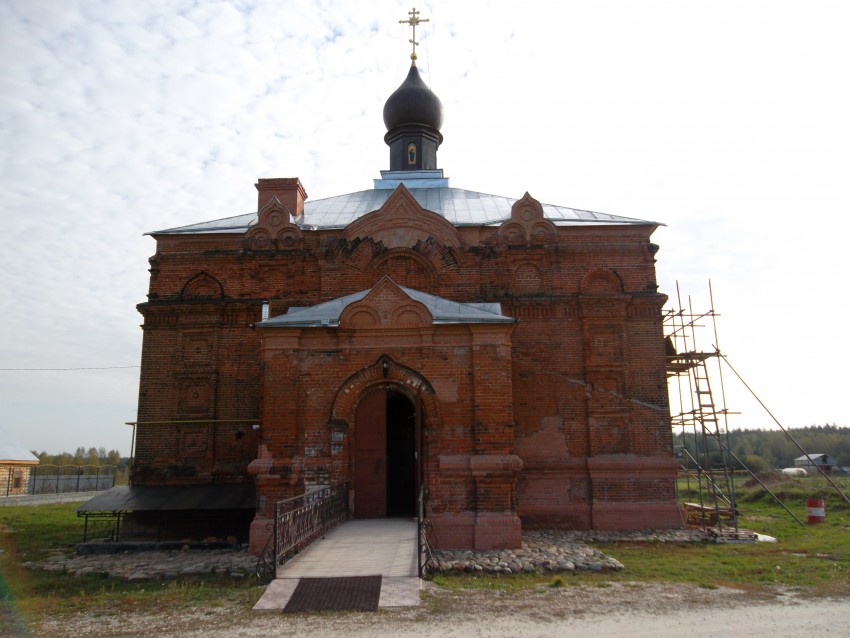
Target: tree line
{"x": 762, "y": 449}
{"x": 82, "y": 456}
{"x": 758, "y": 449}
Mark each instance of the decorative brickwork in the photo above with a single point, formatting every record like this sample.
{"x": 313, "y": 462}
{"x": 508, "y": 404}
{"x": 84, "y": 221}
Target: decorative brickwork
{"x": 559, "y": 419}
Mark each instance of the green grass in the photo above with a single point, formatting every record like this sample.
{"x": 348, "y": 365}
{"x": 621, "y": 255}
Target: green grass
{"x": 814, "y": 559}
{"x": 32, "y": 533}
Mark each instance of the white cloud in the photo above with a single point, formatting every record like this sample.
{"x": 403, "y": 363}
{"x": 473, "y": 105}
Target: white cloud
{"x": 725, "y": 120}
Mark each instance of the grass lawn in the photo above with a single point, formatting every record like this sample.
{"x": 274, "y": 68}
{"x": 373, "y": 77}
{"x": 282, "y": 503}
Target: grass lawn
{"x": 814, "y": 560}
{"x": 31, "y": 533}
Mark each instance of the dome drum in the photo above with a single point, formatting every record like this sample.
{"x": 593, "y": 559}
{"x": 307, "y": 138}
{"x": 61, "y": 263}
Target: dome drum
{"x": 413, "y": 148}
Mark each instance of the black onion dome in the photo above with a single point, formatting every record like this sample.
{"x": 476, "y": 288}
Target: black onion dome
{"x": 413, "y": 103}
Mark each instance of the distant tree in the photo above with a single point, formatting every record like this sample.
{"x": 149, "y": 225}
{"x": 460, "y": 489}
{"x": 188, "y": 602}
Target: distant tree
{"x": 755, "y": 463}
{"x": 814, "y": 440}
{"x": 774, "y": 447}
{"x": 81, "y": 456}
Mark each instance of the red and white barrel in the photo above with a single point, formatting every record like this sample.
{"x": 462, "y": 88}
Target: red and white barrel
{"x": 815, "y": 510}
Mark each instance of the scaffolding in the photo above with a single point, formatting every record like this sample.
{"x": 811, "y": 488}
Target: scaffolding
{"x": 699, "y": 418}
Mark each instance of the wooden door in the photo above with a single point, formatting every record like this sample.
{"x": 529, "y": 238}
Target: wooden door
{"x": 370, "y": 456}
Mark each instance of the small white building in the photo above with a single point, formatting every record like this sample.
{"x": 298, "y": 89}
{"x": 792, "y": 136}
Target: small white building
{"x": 16, "y": 463}
{"x": 822, "y": 461}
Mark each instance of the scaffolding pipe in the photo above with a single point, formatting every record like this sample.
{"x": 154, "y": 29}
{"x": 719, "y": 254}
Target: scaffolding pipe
{"x": 765, "y": 488}
{"x": 787, "y": 433}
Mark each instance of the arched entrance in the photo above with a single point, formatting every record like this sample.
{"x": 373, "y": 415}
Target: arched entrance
{"x": 385, "y": 455}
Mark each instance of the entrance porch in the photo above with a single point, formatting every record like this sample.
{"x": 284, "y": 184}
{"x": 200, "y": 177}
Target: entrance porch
{"x": 398, "y": 395}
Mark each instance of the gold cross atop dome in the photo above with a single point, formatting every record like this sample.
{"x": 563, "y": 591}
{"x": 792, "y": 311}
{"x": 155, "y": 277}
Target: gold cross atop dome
{"x": 413, "y": 20}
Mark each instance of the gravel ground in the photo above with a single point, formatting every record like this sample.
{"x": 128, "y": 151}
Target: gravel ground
{"x": 617, "y": 609}
{"x": 656, "y": 610}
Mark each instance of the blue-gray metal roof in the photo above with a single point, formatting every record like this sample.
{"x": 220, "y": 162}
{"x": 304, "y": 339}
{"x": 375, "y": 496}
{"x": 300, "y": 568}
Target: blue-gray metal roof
{"x": 443, "y": 311}
{"x": 146, "y": 498}
{"x": 460, "y": 207}
{"x": 12, "y": 450}
{"x": 814, "y": 457}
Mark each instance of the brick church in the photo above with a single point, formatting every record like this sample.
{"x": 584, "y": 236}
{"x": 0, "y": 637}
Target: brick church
{"x": 500, "y": 357}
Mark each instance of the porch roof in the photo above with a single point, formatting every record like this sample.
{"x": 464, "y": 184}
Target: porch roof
{"x": 443, "y": 311}
{"x": 146, "y": 498}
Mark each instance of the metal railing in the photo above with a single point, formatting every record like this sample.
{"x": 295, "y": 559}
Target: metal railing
{"x": 60, "y": 479}
{"x": 424, "y": 546}
{"x": 301, "y": 520}
{"x": 102, "y": 526}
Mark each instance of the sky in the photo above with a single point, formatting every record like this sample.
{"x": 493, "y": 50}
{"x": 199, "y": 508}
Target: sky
{"x": 726, "y": 121}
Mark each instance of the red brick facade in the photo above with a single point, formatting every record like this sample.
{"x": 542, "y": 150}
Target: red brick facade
{"x": 557, "y": 420}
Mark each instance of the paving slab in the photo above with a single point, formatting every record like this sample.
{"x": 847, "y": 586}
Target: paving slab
{"x": 277, "y": 594}
{"x": 400, "y": 591}
{"x": 361, "y": 547}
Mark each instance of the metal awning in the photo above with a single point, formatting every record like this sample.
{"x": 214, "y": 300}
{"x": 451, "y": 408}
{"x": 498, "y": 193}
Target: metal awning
{"x": 172, "y": 498}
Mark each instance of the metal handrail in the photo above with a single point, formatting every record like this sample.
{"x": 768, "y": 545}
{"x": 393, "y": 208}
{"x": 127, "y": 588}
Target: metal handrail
{"x": 424, "y": 544}
{"x": 302, "y": 519}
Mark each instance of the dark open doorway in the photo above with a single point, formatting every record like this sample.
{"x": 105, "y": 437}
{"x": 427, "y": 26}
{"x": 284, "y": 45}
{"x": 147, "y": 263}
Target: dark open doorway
{"x": 401, "y": 455}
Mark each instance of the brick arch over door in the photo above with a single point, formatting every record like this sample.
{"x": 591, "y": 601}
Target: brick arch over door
{"x": 365, "y": 395}
{"x": 387, "y": 373}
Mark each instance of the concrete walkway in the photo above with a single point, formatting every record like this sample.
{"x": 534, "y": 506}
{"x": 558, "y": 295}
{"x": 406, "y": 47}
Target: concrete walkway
{"x": 364, "y": 547}
{"x": 48, "y": 499}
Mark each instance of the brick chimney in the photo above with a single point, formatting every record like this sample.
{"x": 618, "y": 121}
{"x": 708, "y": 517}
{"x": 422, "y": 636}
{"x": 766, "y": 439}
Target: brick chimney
{"x": 288, "y": 190}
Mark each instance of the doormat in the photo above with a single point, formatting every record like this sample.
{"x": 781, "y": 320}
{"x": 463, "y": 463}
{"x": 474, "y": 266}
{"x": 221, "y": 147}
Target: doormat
{"x": 355, "y": 593}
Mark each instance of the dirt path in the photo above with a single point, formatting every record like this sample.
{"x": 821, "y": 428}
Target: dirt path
{"x": 632, "y": 610}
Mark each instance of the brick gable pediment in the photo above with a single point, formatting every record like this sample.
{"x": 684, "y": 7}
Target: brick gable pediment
{"x": 274, "y": 228}
{"x": 401, "y": 223}
{"x": 386, "y": 306}
{"x": 527, "y": 225}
